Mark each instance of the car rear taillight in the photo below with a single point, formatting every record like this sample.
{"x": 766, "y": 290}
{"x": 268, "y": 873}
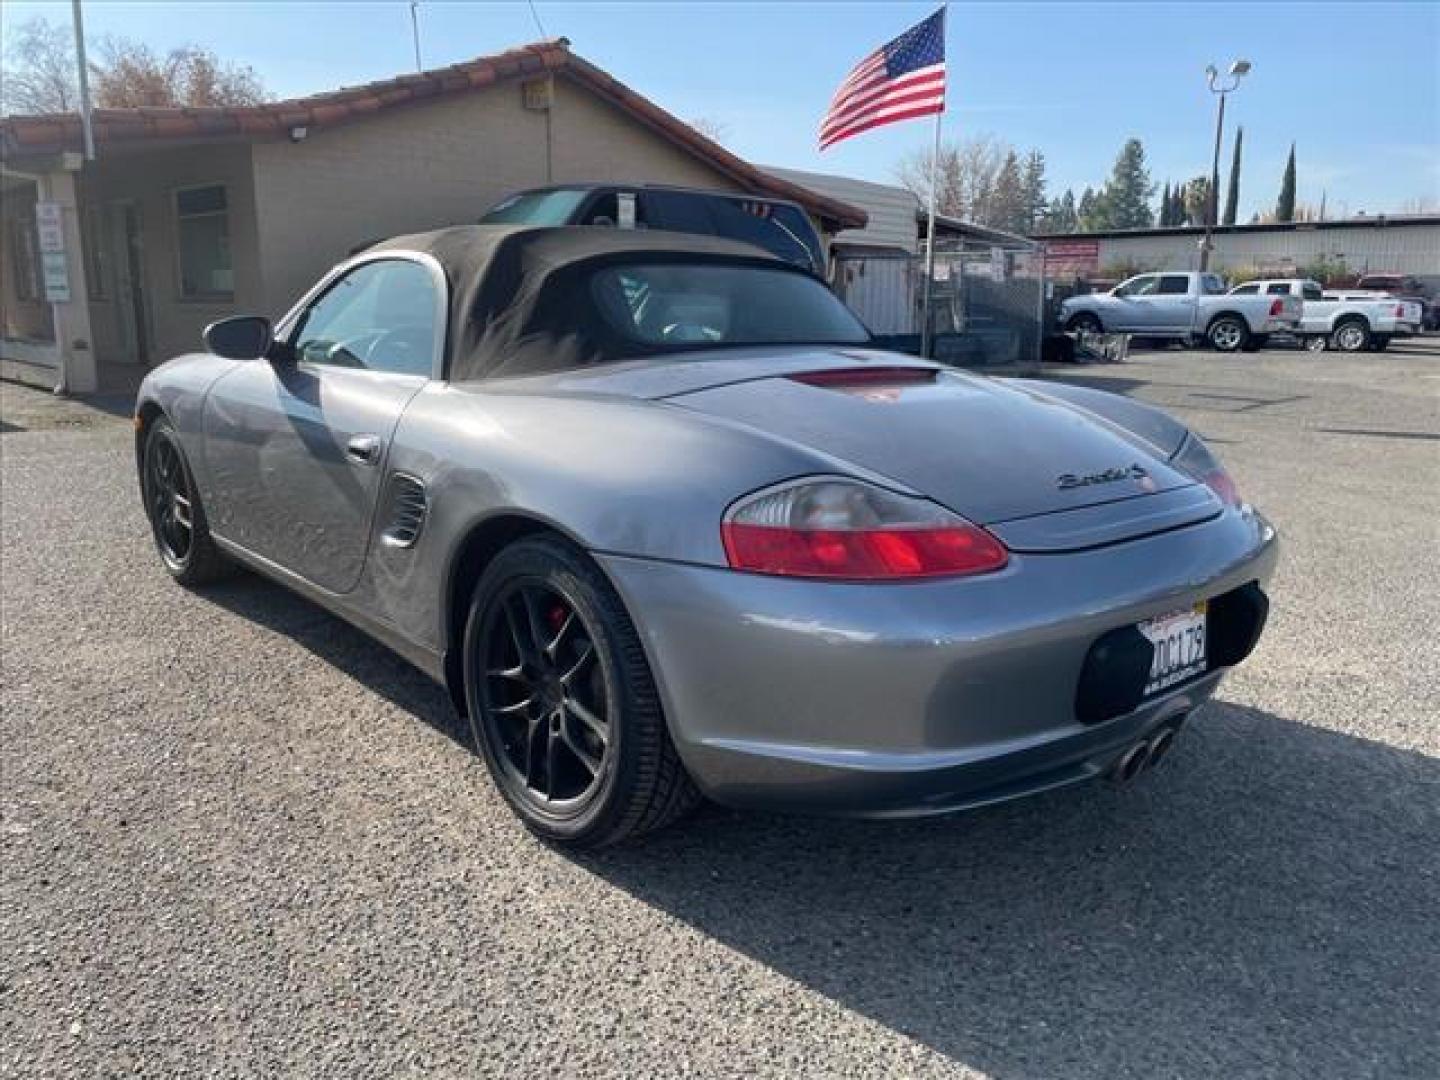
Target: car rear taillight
{"x": 851, "y": 531}
{"x": 1277, "y": 308}
{"x": 1195, "y": 458}
{"x": 1399, "y": 311}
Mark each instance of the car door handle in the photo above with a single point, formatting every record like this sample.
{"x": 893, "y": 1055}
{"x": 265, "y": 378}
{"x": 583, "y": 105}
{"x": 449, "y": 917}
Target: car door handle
{"x": 363, "y": 449}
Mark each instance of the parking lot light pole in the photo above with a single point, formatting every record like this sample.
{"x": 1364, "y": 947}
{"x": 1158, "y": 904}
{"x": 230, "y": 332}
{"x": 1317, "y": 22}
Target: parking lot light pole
{"x": 1220, "y": 85}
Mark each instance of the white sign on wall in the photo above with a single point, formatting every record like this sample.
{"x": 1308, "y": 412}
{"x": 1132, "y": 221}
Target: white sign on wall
{"x": 50, "y": 225}
{"x": 57, "y": 277}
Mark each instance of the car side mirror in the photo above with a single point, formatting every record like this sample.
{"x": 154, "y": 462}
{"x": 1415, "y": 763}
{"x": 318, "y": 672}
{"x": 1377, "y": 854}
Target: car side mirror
{"x": 244, "y": 337}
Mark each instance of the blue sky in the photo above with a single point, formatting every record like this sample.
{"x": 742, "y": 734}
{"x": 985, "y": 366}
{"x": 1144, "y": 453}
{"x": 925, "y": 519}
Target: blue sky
{"x": 1357, "y": 86}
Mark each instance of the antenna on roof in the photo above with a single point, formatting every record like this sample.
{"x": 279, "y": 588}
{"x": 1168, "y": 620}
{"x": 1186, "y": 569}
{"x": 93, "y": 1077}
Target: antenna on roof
{"x": 536, "y": 16}
{"x": 415, "y": 31}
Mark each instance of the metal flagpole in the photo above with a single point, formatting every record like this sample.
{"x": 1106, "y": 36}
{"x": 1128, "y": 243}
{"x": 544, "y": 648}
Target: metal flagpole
{"x": 925, "y": 332}
{"x": 415, "y": 32}
{"x": 84, "y": 75}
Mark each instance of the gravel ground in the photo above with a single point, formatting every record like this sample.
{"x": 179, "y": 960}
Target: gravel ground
{"x": 241, "y": 840}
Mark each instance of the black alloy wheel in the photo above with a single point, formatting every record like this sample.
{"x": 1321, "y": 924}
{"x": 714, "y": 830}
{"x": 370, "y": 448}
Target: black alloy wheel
{"x": 562, "y": 702}
{"x": 177, "y": 517}
{"x": 169, "y": 500}
{"x": 545, "y": 696}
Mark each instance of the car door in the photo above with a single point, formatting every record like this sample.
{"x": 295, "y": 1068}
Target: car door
{"x": 1131, "y": 304}
{"x": 297, "y": 446}
{"x": 1170, "y": 307}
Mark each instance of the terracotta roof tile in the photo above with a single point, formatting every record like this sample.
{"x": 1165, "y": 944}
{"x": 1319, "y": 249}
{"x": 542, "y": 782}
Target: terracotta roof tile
{"x": 40, "y": 135}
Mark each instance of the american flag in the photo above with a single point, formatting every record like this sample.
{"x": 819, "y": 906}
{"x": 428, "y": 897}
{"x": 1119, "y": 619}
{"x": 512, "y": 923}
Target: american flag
{"x": 898, "y": 81}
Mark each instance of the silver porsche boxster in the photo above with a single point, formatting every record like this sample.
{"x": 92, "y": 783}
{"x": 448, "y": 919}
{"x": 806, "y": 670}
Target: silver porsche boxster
{"x": 666, "y": 525}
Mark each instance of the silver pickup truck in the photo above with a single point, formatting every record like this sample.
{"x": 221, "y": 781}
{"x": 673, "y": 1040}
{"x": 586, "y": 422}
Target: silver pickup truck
{"x": 1344, "y": 320}
{"x": 1183, "y": 305}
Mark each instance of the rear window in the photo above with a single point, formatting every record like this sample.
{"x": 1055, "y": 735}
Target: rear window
{"x": 691, "y": 305}
{"x": 1245, "y": 290}
{"x": 774, "y": 227}
{"x": 1311, "y": 292}
{"x": 1278, "y": 290}
{"x": 536, "y": 208}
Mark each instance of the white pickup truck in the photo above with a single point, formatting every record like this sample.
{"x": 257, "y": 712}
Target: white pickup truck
{"x": 1183, "y": 305}
{"x": 1344, "y": 320}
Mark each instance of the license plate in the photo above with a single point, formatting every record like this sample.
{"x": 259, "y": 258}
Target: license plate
{"x": 1179, "y": 640}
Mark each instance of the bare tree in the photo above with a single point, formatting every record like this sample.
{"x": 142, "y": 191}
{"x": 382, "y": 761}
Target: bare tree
{"x": 713, "y": 129}
{"x": 131, "y": 74}
{"x": 1420, "y": 204}
{"x": 39, "y": 75}
{"x": 969, "y": 175}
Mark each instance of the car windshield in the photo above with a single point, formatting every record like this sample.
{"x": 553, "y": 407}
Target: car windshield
{"x": 536, "y": 208}
{"x": 692, "y": 305}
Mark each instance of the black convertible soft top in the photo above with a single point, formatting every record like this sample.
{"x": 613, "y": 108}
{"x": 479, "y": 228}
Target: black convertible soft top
{"x": 515, "y": 303}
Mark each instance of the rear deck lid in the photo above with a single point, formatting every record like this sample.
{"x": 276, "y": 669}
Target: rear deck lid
{"x": 997, "y": 453}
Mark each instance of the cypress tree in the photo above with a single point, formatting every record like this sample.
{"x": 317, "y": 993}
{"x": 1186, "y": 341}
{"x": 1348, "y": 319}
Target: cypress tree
{"x": 1165, "y": 206}
{"x": 1232, "y": 192}
{"x": 1285, "y": 207}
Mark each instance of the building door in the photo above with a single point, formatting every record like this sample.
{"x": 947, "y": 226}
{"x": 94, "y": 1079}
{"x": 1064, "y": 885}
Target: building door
{"x": 132, "y": 304}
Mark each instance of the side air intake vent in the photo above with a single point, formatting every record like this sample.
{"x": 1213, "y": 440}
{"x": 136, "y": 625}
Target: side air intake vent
{"x": 404, "y": 515}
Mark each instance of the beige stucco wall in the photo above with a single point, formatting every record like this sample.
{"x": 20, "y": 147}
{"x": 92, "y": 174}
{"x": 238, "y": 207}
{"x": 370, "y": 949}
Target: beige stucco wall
{"x": 150, "y": 179}
{"x": 441, "y": 163}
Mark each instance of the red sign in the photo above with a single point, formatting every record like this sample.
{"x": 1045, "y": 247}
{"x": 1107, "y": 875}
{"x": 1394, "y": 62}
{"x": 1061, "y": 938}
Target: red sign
{"x": 1072, "y": 258}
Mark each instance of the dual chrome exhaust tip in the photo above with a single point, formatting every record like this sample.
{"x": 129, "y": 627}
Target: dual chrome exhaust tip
{"x": 1145, "y": 754}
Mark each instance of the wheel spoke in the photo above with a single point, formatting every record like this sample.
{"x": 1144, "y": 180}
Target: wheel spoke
{"x": 576, "y": 747}
{"x": 523, "y": 627}
{"x": 552, "y": 647}
{"x": 597, "y": 727}
{"x": 532, "y": 622}
{"x": 587, "y": 653}
{"x": 519, "y": 708}
{"x": 551, "y": 745}
{"x": 535, "y": 730}
{"x": 182, "y": 512}
{"x": 514, "y": 674}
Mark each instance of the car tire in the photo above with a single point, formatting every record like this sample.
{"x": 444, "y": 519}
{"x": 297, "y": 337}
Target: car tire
{"x": 1228, "y": 333}
{"x": 562, "y": 704}
{"x": 1351, "y": 336}
{"x": 1084, "y": 323}
{"x": 176, "y": 514}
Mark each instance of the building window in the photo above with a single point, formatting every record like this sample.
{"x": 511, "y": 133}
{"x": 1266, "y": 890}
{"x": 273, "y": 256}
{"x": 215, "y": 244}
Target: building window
{"x": 202, "y": 218}
{"x": 25, "y": 259}
{"x": 97, "y": 259}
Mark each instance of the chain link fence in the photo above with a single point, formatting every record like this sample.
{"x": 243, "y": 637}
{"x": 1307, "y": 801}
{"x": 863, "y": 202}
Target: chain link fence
{"x": 987, "y": 302}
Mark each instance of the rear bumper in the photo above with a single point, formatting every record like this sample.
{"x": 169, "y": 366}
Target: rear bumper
{"x": 919, "y": 698}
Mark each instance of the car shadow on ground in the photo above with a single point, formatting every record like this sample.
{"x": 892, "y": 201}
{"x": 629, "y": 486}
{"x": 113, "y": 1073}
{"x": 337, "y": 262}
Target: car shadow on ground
{"x": 1262, "y": 903}
{"x": 338, "y": 643}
